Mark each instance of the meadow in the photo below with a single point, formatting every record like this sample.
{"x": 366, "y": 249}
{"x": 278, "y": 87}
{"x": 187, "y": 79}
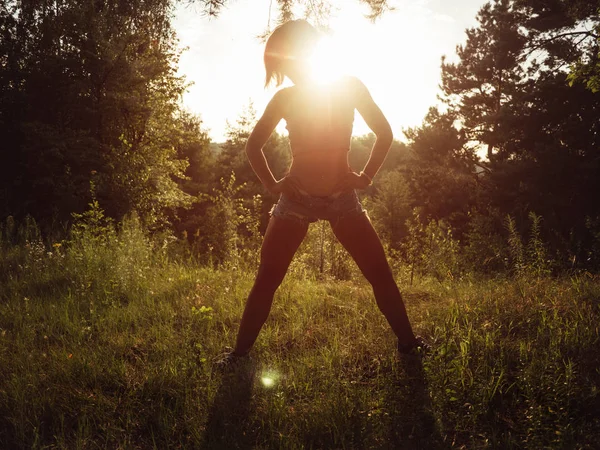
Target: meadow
{"x": 108, "y": 340}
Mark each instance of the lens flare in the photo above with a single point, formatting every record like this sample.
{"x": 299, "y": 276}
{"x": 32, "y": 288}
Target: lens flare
{"x": 269, "y": 378}
{"x": 267, "y": 382}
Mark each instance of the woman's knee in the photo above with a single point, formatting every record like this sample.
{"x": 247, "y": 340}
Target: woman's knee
{"x": 380, "y": 276}
{"x": 269, "y": 277}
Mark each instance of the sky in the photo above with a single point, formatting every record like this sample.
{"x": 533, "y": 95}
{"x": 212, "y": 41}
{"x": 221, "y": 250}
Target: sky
{"x": 397, "y": 57}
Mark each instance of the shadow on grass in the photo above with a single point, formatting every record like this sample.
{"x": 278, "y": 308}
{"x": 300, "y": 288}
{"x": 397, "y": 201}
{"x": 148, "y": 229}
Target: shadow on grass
{"x": 228, "y": 424}
{"x": 413, "y": 425}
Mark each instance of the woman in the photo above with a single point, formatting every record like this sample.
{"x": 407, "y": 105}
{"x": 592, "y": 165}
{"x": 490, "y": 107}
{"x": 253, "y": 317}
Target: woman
{"x": 320, "y": 183}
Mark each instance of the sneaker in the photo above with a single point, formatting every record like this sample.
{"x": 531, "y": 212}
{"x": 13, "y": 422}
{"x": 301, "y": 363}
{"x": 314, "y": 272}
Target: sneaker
{"x": 418, "y": 347}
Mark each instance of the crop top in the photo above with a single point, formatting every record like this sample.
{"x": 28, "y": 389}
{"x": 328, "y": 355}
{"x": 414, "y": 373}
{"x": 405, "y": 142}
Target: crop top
{"x": 320, "y": 118}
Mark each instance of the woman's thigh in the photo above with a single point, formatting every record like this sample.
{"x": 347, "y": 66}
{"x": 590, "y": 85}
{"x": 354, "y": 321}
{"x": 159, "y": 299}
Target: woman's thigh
{"x": 282, "y": 239}
{"x": 357, "y": 235}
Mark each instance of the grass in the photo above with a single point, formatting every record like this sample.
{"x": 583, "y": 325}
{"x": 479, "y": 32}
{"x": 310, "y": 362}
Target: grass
{"x": 110, "y": 344}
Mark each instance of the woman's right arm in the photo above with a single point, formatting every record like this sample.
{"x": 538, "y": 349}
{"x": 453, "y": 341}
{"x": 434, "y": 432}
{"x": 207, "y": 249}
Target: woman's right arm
{"x": 258, "y": 138}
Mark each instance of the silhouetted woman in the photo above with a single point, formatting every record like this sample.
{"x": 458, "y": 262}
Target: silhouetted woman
{"x": 320, "y": 183}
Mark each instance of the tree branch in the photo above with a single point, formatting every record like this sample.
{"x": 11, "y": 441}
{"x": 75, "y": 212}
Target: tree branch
{"x": 587, "y": 34}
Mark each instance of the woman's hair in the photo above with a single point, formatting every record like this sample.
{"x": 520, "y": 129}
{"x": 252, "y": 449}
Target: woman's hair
{"x": 295, "y": 39}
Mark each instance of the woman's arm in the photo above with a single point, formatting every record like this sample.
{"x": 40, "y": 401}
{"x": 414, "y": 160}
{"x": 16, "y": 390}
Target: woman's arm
{"x": 259, "y": 136}
{"x": 375, "y": 119}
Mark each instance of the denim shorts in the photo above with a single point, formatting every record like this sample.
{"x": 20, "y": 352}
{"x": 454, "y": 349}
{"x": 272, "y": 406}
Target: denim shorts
{"x": 306, "y": 208}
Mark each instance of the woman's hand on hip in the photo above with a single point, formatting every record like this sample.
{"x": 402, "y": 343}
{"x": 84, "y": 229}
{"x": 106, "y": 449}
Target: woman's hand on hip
{"x": 284, "y": 186}
{"x": 353, "y": 180}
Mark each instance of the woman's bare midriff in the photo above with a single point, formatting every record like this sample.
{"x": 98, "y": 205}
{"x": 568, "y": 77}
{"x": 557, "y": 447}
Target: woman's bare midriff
{"x": 319, "y": 173}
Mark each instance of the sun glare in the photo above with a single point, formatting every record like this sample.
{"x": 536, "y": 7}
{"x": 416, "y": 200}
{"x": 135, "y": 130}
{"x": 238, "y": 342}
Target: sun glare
{"x": 397, "y": 59}
{"x": 328, "y": 61}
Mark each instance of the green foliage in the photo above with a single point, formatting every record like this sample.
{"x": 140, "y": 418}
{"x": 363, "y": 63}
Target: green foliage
{"x": 203, "y": 313}
{"x": 228, "y": 234}
{"x": 485, "y": 250}
{"x": 102, "y": 104}
{"x": 510, "y": 95}
{"x": 11, "y": 233}
{"x": 530, "y": 259}
{"x": 390, "y": 207}
{"x": 414, "y": 246}
{"x": 232, "y": 157}
{"x": 92, "y": 227}
{"x": 431, "y": 250}
{"x": 587, "y": 69}
{"x": 442, "y": 171}
{"x": 322, "y": 257}
{"x": 193, "y": 145}
{"x": 539, "y": 264}
{"x": 90, "y": 92}
{"x": 515, "y": 247}
{"x": 116, "y": 258}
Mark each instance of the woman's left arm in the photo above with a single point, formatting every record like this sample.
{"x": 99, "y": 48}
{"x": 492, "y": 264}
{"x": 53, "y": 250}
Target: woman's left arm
{"x": 375, "y": 119}
{"x": 258, "y": 138}
{"x": 377, "y": 122}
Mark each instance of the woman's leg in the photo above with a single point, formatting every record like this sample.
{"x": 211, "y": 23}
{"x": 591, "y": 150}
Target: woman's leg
{"x": 357, "y": 235}
{"x": 282, "y": 239}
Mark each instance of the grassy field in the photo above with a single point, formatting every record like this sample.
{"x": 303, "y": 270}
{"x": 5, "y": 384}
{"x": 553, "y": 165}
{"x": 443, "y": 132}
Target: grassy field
{"x": 111, "y": 345}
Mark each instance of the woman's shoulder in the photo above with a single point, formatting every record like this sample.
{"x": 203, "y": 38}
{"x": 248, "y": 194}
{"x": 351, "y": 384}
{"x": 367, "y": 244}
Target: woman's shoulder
{"x": 348, "y": 87}
{"x": 353, "y": 83}
{"x": 284, "y": 92}
{"x": 279, "y": 101}
{"x": 283, "y": 96}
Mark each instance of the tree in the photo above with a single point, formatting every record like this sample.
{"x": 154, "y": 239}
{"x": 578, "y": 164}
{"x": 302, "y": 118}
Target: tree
{"x": 570, "y": 33}
{"x": 480, "y": 87}
{"x": 89, "y": 92}
{"x": 193, "y": 145}
{"x": 510, "y": 94}
{"x": 443, "y": 172}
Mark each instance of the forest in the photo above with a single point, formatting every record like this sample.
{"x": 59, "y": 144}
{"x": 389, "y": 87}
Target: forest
{"x": 129, "y": 241}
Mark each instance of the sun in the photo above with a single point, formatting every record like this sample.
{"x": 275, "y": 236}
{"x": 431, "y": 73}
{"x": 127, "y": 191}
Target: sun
{"x": 339, "y": 51}
{"x": 344, "y": 47}
{"x": 330, "y": 60}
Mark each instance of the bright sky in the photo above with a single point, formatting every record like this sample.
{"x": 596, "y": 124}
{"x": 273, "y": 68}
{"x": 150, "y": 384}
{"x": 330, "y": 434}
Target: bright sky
{"x": 398, "y": 57}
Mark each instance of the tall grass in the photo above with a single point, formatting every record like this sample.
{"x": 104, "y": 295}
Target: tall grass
{"x": 107, "y": 340}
